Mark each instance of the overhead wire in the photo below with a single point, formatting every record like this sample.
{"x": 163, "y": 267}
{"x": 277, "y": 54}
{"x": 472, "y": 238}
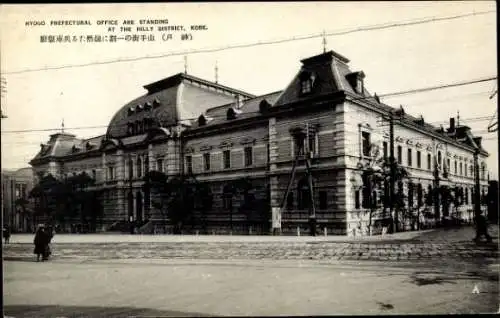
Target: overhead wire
{"x": 412, "y": 91}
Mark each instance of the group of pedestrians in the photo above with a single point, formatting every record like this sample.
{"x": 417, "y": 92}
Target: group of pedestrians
{"x": 43, "y": 236}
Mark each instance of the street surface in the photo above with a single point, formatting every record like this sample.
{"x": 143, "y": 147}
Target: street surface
{"x": 436, "y": 272}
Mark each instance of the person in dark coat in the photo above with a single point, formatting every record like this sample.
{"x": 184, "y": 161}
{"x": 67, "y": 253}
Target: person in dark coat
{"x": 6, "y": 234}
{"x": 482, "y": 228}
{"x": 41, "y": 242}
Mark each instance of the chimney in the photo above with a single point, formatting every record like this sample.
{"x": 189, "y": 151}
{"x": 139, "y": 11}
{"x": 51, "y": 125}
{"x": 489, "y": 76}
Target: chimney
{"x": 239, "y": 101}
{"x": 452, "y": 125}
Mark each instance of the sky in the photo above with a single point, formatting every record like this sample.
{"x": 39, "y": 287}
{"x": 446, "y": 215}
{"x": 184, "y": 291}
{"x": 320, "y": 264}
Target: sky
{"x": 393, "y": 59}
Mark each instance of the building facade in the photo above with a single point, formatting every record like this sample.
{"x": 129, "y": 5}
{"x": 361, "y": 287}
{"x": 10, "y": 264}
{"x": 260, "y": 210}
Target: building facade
{"x": 324, "y": 126}
{"x": 17, "y": 207}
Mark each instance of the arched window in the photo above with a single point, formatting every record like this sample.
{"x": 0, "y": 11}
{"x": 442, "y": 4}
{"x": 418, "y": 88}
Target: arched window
{"x": 439, "y": 160}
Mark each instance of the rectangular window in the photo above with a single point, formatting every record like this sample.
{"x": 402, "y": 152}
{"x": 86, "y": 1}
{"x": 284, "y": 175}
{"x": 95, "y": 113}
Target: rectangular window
{"x": 189, "y": 164}
{"x": 365, "y": 136}
{"x": 159, "y": 165}
{"x": 409, "y": 158}
{"x": 268, "y": 153}
{"x": 448, "y": 164}
{"x": 139, "y": 167}
{"x": 465, "y": 170}
{"x": 206, "y": 161}
{"x": 306, "y": 86}
{"x": 466, "y": 196}
{"x": 311, "y": 143}
{"x": 94, "y": 175}
{"x": 400, "y": 155}
{"x": 322, "y": 200}
{"x": 365, "y": 203}
{"x": 461, "y": 170}
{"x": 429, "y": 161}
{"x": 248, "y": 156}
{"x": 111, "y": 174}
{"x": 419, "y": 159}
{"x": 385, "y": 149}
{"x": 227, "y": 158}
{"x": 455, "y": 167}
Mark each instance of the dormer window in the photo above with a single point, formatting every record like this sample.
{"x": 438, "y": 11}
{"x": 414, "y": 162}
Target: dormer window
{"x": 232, "y": 113}
{"x": 264, "y": 106}
{"x": 306, "y": 86}
{"x": 156, "y": 103}
{"x": 148, "y": 106}
{"x": 131, "y": 111}
{"x": 306, "y": 82}
{"x": 139, "y": 108}
{"x": 359, "y": 85}
{"x": 356, "y": 80}
{"x": 202, "y": 121}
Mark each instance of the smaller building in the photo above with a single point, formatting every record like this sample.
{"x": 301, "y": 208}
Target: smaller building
{"x": 17, "y": 207}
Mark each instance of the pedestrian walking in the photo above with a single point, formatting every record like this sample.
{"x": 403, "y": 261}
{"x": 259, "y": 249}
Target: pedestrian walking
{"x": 6, "y": 234}
{"x": 41, "y": 242}
{"x": 482, "y": 228}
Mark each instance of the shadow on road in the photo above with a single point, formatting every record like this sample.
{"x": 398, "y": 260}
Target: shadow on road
{"x": 87, "y": 311}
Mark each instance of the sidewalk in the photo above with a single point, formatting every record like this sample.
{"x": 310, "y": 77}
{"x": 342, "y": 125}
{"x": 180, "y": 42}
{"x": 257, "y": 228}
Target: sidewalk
{"x": 451, "y": 244}
{"x": 159, "y": 238}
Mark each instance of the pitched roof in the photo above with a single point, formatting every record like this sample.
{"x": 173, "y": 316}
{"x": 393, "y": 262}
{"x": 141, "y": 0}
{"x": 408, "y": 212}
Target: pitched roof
{"x": 249, "y": 108}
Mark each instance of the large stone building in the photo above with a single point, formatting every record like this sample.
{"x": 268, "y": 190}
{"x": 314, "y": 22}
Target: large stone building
{"x": 16, "y": 205}
{"x": 186, "y": 125}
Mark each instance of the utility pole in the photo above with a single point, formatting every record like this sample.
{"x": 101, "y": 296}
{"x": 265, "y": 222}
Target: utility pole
{"x": 312, "y": 207}
{"x": 392, "y": 163}
{"x": 300, "y": 138}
